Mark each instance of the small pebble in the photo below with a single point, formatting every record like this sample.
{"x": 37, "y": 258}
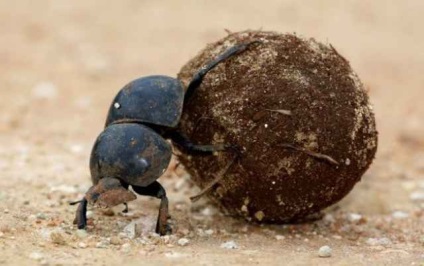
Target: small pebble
{"x": 114, "y": 240}
{"x": 354, "y": 217}
{"x": 209, "y": 232}
{"x": 6, "y": 210}
{"x": 44, "y": 90}
{"x": 208, "y": 211}
{"x": 41, "y": 216}
{"x": 229, "y": 245}
{"x": 89, "y": 214}
{"x": 57, "y": 237}
{"x": 179, "y": 184}
{"x": 384, "y": 241}
{"x": 101, "y": 244}
{"x": 129, "y": 230}
{"x": 417, "y": 196}
{"x": 82, "y": 245}
{"x": 174, "y": 255}
{"x": 65, "y": 189}
{"x": 183, "y": 241}
{"x": 400, "y": 215}
{"x": 280, "y": 237}
{"x": 76, "y": 148}
{"x": 36, "y": 256}
{"x": 108, "y": 212}
{"x": 1, "y": 234}
{"x": 126, "y": 247}
{"x": 81, "y": 233}
{"x": 325, "y": 252}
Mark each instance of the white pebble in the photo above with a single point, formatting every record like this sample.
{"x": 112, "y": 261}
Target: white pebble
{"x": 129, "y": 230}
{"x": 82, "y": 245}
{"x": 89, "y": 214}
{"x": 400, "y": 215}
{"x": 325, "y": 252}
{"x": 209, "y": 232}
{"x": 354, "y": 217}
{"x": 174, "y": 255}
{"x": 117, "y": 105}
{"x": 101, "y": 244}
{"x": 44, "y": 90}
{"x": 183, "y": 241}
{"x": 65, "y": 189}
{"x": 36, "y": 256}
{"x": 347, "y": 162}
{"x": 126, "y": 247}
{"x": 41, "y": 216}
{"x": 329, "y": 218}
{"x": 76, "y": 148}
{"x": 208, "y": 211}
{"x": 280, "y": 237}
{"x": 417, "y": 196}
{"x": 179, "y": 184}
{"x": 384, "y": 241}
{"x": 81, "y": 233}
{"x": 229, "y": 245}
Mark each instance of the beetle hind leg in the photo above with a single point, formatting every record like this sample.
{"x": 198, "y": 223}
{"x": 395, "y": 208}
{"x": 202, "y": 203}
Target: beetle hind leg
{"x": 198, "y": 77}
{"x": 156, "y": 190}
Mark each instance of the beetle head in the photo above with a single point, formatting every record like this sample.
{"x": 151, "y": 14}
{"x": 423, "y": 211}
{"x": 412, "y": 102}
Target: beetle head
{"x": 108, "y": 192}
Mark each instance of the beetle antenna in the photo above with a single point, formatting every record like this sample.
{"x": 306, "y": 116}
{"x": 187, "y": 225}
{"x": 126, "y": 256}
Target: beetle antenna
{"x": 198, "y": 77}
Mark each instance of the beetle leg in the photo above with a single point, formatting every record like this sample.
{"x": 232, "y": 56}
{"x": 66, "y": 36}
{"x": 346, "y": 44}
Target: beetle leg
{"x": 81, "y": 215}
{"x": 188, "y": 146}
{"x": 125, "y": 185}
{"x": 198, "y": 77}
{"x": 126, "y": 208}
{"x": 156, "y": 190}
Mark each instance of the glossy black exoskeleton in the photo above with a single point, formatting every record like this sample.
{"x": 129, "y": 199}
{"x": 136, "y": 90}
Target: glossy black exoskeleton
{"x": 132, "y": 150}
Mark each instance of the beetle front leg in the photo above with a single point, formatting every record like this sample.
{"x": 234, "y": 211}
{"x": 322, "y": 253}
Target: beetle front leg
{"x": 156, "y": 190}
{"x": 126, "y": 208}
{"x": 81, "y": 215}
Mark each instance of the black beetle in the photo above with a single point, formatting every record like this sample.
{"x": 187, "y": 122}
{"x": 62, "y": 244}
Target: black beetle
{"x": 132, "y": 149}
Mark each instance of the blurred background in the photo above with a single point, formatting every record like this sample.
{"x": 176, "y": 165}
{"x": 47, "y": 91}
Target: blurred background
{"x": 62, "y": 62}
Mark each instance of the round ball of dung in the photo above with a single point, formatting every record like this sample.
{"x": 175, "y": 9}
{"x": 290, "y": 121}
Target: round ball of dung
{"x": 299, "y": 115}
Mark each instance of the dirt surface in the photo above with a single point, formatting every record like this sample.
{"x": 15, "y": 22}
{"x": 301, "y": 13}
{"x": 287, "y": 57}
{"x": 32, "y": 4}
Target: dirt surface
{"x": 61, "y": 64}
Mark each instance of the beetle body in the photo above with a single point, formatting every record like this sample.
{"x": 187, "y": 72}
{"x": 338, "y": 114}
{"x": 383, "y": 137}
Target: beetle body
{"x": 156, "y": 100}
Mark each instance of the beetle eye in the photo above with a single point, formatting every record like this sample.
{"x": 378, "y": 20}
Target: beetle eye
{"x": 117, "y": 105}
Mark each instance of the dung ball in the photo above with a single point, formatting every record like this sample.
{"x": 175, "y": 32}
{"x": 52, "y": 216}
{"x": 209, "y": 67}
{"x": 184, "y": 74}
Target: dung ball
{"x": 299, "y": 115}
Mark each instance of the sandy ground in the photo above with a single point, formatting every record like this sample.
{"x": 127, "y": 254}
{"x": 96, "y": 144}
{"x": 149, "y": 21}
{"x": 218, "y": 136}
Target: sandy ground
{"x": 62, "y": 62}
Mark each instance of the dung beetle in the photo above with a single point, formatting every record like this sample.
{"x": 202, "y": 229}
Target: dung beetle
{"x": 132, "y": 150}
